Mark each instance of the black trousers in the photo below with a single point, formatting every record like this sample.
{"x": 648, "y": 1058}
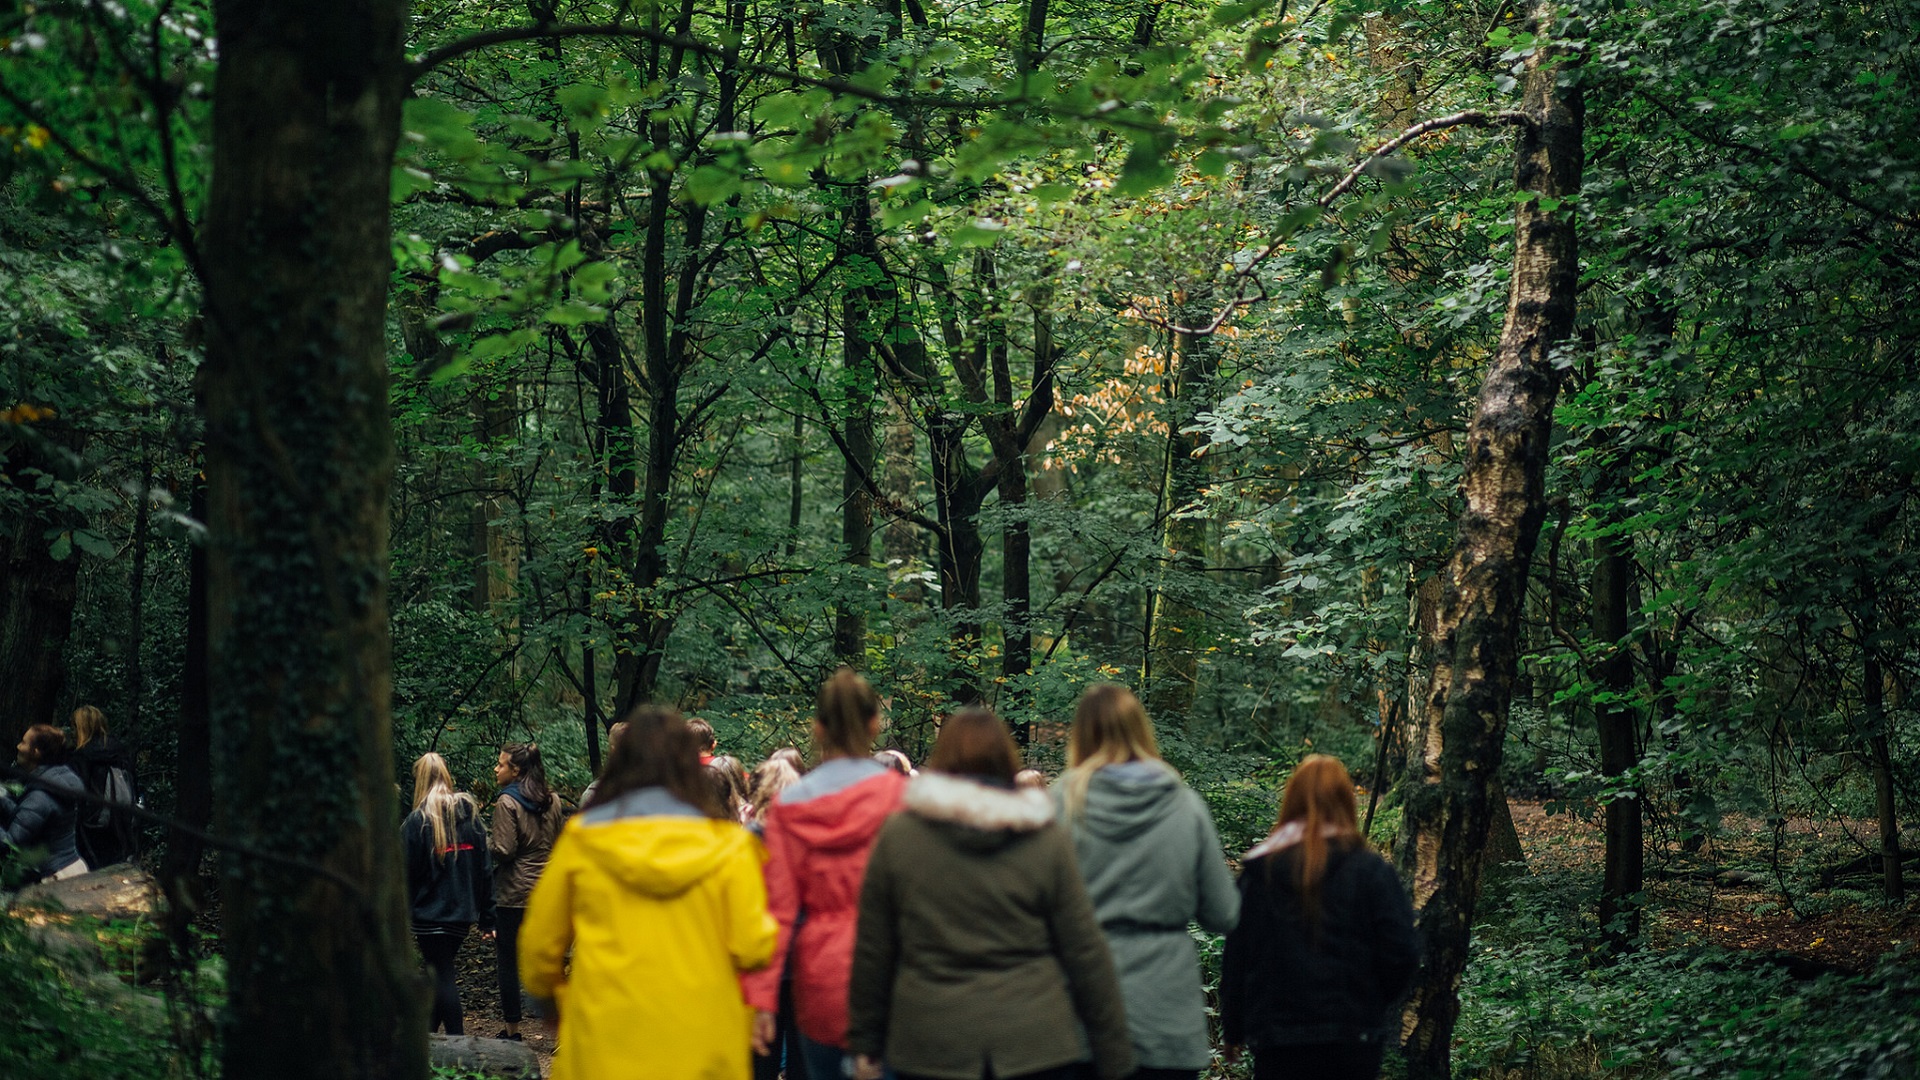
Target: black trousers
{"x": 439, "y": 951}
{"x": 506, "y": 950}
{"x": 1065, "y": 1072}
{"x": 786, "y": 1056}
{"x": 1320, "y": 1061}
{"x": 1165, "y": 1074}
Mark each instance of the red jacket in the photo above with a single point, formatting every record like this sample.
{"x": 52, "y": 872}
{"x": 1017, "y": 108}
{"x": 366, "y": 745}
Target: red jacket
{"x": 816, "y": 859}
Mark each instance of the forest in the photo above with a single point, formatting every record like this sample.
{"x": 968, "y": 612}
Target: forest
{"x": 1517, "y": 399}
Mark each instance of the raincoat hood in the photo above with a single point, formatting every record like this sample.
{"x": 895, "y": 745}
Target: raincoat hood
{"x": 975, "y": 814}
{"x": 846, "y": 819}
{"x": 1125, "y": 800}
{"x": 659, "y": 856}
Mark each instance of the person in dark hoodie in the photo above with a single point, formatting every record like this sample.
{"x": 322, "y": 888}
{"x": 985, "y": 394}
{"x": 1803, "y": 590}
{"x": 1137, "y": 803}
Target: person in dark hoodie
{"x": 526, "y": 822}
{"x": 104, "y": 764}
{"x": 448, "y": 891}
{"x": 978, "y": 953}
{"x": 818, "y": 835}
{"x": 1325, "y": 948}
{"x": 1152, "y": 861}
{"x": 45, "y": 816}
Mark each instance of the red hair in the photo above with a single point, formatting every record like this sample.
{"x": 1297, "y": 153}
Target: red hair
{"x": 975, "y": 742}
{"x": 1319, "y": 795}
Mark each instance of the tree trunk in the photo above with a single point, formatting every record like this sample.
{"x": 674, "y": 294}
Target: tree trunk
{"x": 1448, "y": 811}
{"x": 1873, "y": 690}
{"x": 137, "y": 596}
{"x": 856, "y": 502}
{"x": 1615, "y": 719}
{"x": 37, "y": 597}
{"x": 1175, "y": 621}
{"x": 193, "y": 757}
{"x": 299, "y": 462}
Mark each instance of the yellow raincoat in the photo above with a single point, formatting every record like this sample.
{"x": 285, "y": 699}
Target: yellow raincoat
{"x": 661, "y": 913}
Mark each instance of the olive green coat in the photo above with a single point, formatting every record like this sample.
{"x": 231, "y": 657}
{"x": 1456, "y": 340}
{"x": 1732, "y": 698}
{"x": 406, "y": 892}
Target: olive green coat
{"x": 977, "y": 947}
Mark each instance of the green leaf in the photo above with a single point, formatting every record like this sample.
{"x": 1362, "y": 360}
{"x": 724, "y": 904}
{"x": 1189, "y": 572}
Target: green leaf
{"x": 1145, "y": 170}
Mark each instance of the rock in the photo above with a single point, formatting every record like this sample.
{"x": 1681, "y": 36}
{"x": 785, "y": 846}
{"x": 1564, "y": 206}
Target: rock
{"x": 116, "y": 892}
{"x": 487, "y": 1057}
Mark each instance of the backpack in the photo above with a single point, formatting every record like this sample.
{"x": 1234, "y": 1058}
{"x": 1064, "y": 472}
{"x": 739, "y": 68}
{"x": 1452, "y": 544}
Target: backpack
{"x": 117, "y": 788}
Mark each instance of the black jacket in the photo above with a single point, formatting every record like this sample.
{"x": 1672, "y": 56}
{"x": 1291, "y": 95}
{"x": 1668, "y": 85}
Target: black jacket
{"x": 1284, "y": 982}
{"x": 115, "y": 840}
{"x": 453, "y": 891}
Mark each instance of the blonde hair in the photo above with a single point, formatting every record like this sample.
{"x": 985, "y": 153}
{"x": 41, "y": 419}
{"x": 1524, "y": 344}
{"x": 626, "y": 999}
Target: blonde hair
{"x": 770, "y": 778}
{"x": 1110, "y": 726}
{"x": 435, "y": 799}
{"x": 89, "y": 723}
{"x": 1319, "y": 795}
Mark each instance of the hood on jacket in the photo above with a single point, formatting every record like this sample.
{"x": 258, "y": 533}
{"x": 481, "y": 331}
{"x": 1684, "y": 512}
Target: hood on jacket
{"x": 657, "y": 855}
{"x": 977, "y": 814}
{"x": 848, "y": 818}
{"x": 513, "y": 791}
{"x": 1124, "y": 800}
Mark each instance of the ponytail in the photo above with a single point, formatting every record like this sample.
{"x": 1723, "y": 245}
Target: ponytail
{"x": 530, "y": 775}
{"x": 846, "y": 708}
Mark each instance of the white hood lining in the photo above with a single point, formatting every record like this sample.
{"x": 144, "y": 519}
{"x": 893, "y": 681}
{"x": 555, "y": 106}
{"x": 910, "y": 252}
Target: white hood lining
{"x": 941, "y": 797}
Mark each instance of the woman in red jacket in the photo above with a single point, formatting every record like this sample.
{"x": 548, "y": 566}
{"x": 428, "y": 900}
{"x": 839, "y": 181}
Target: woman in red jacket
{"x": 818, "y": 835}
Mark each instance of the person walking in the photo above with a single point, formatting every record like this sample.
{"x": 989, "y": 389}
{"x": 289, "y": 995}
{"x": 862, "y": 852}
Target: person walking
{"x": 818, "y": 834}
{"x": 1152, "y": 861}
{"x": 448, "y": 891}
{"x": 526, "y": 822}
{"x": 1325, "y": 948}
{"x": 978, "y": 953}
{"x": 107, "y": 834}
{"x": 650, "y": 908}
{"x": 46, "y": 816}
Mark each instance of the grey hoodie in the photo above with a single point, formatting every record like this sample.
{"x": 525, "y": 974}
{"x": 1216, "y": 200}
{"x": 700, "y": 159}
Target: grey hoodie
{"x": 1153, "y": 863}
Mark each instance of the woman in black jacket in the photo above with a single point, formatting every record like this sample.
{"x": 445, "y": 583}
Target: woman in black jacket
{"x": 1325, "y": 947}
{"x": 449, "y": 880}
{"x": 105, "y": 765}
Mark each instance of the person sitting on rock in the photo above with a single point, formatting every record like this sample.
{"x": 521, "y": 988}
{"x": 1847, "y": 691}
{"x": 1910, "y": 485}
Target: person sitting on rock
{"x": 46, "y": 818}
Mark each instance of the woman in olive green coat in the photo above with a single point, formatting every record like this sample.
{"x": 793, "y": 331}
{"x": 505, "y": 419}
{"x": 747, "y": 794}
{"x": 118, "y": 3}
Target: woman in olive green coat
{"x": 978, "y": 953}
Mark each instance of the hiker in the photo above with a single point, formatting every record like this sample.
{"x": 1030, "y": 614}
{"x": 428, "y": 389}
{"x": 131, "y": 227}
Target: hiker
{"x": 107, "y": 835}
{"x": 448, "y": 891}
{"x": 770, "y": 778}
{"x": 660, "y": 903}
{"x": 613, "y": 736}
{"x": 978, "y": 952}
{"x": 732, "y": 785}
{"x": 1151, "y": 859}
{"x": 818, "y": 834}
{"x": 526, "y": 822}
{"x": 703, "y": 734}
{"x": 45, "y": 817}
{"x": 1325, "y": 948}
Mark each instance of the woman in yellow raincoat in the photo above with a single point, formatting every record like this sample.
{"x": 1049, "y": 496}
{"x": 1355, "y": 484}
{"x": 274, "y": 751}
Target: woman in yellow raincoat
{"x": 662, "y": 905}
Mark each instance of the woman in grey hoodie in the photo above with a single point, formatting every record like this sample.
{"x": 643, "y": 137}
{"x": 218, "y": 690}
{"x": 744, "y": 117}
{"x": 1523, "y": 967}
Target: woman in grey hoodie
{"x": 1153, "y": 863}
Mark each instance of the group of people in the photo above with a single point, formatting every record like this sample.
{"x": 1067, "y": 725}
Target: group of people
{"x": 53, "y": 818}
{"x": 951, "y": 923}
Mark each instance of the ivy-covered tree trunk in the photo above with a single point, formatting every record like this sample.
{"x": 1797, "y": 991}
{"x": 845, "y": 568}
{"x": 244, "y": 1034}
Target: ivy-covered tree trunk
{"x": 1616, "y": 722}
{"x": 322, "y": 978}
{"x": 1174, "y": 626}
{"x": 856, "y": 501}
{"x": 1449, "y": 805}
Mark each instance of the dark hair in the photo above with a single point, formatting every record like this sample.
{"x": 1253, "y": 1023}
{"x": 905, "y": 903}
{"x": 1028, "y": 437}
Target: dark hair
{"x": 975, "y": 742}
{"x": 703, "y": 733}
{"x": 847, "y": 705}
{"x": 48, "y": 744}
{"x": 658, "y": 749}
{"x": 529, "y": 774}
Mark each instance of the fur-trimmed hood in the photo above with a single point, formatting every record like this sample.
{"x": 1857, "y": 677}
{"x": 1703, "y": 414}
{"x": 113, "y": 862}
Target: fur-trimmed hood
{"x": 980, "y": 814}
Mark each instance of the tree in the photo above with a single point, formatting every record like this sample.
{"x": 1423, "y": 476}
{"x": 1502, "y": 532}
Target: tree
{"x": 295, "y": 258}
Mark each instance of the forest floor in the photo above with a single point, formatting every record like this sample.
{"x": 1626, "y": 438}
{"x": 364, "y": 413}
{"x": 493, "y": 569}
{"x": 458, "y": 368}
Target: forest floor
{"x": 1729, "y": 893}
{"x": 480, "y": 1001}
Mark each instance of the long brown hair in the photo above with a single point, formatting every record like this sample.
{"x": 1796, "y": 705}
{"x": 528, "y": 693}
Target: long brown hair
{"x": 1319, "y": 795}
{"x": 844, "y": 714}
{"x": 530, "y": 774}
{"x": 658, "y": 750}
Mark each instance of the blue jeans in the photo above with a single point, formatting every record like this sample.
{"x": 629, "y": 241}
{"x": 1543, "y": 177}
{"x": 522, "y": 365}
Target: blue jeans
{"x": 830, "y": 1062}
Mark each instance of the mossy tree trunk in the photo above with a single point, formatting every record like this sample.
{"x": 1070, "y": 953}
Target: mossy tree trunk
{"x": 1449, "y": 804}
{"x": 299, "y": 459}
